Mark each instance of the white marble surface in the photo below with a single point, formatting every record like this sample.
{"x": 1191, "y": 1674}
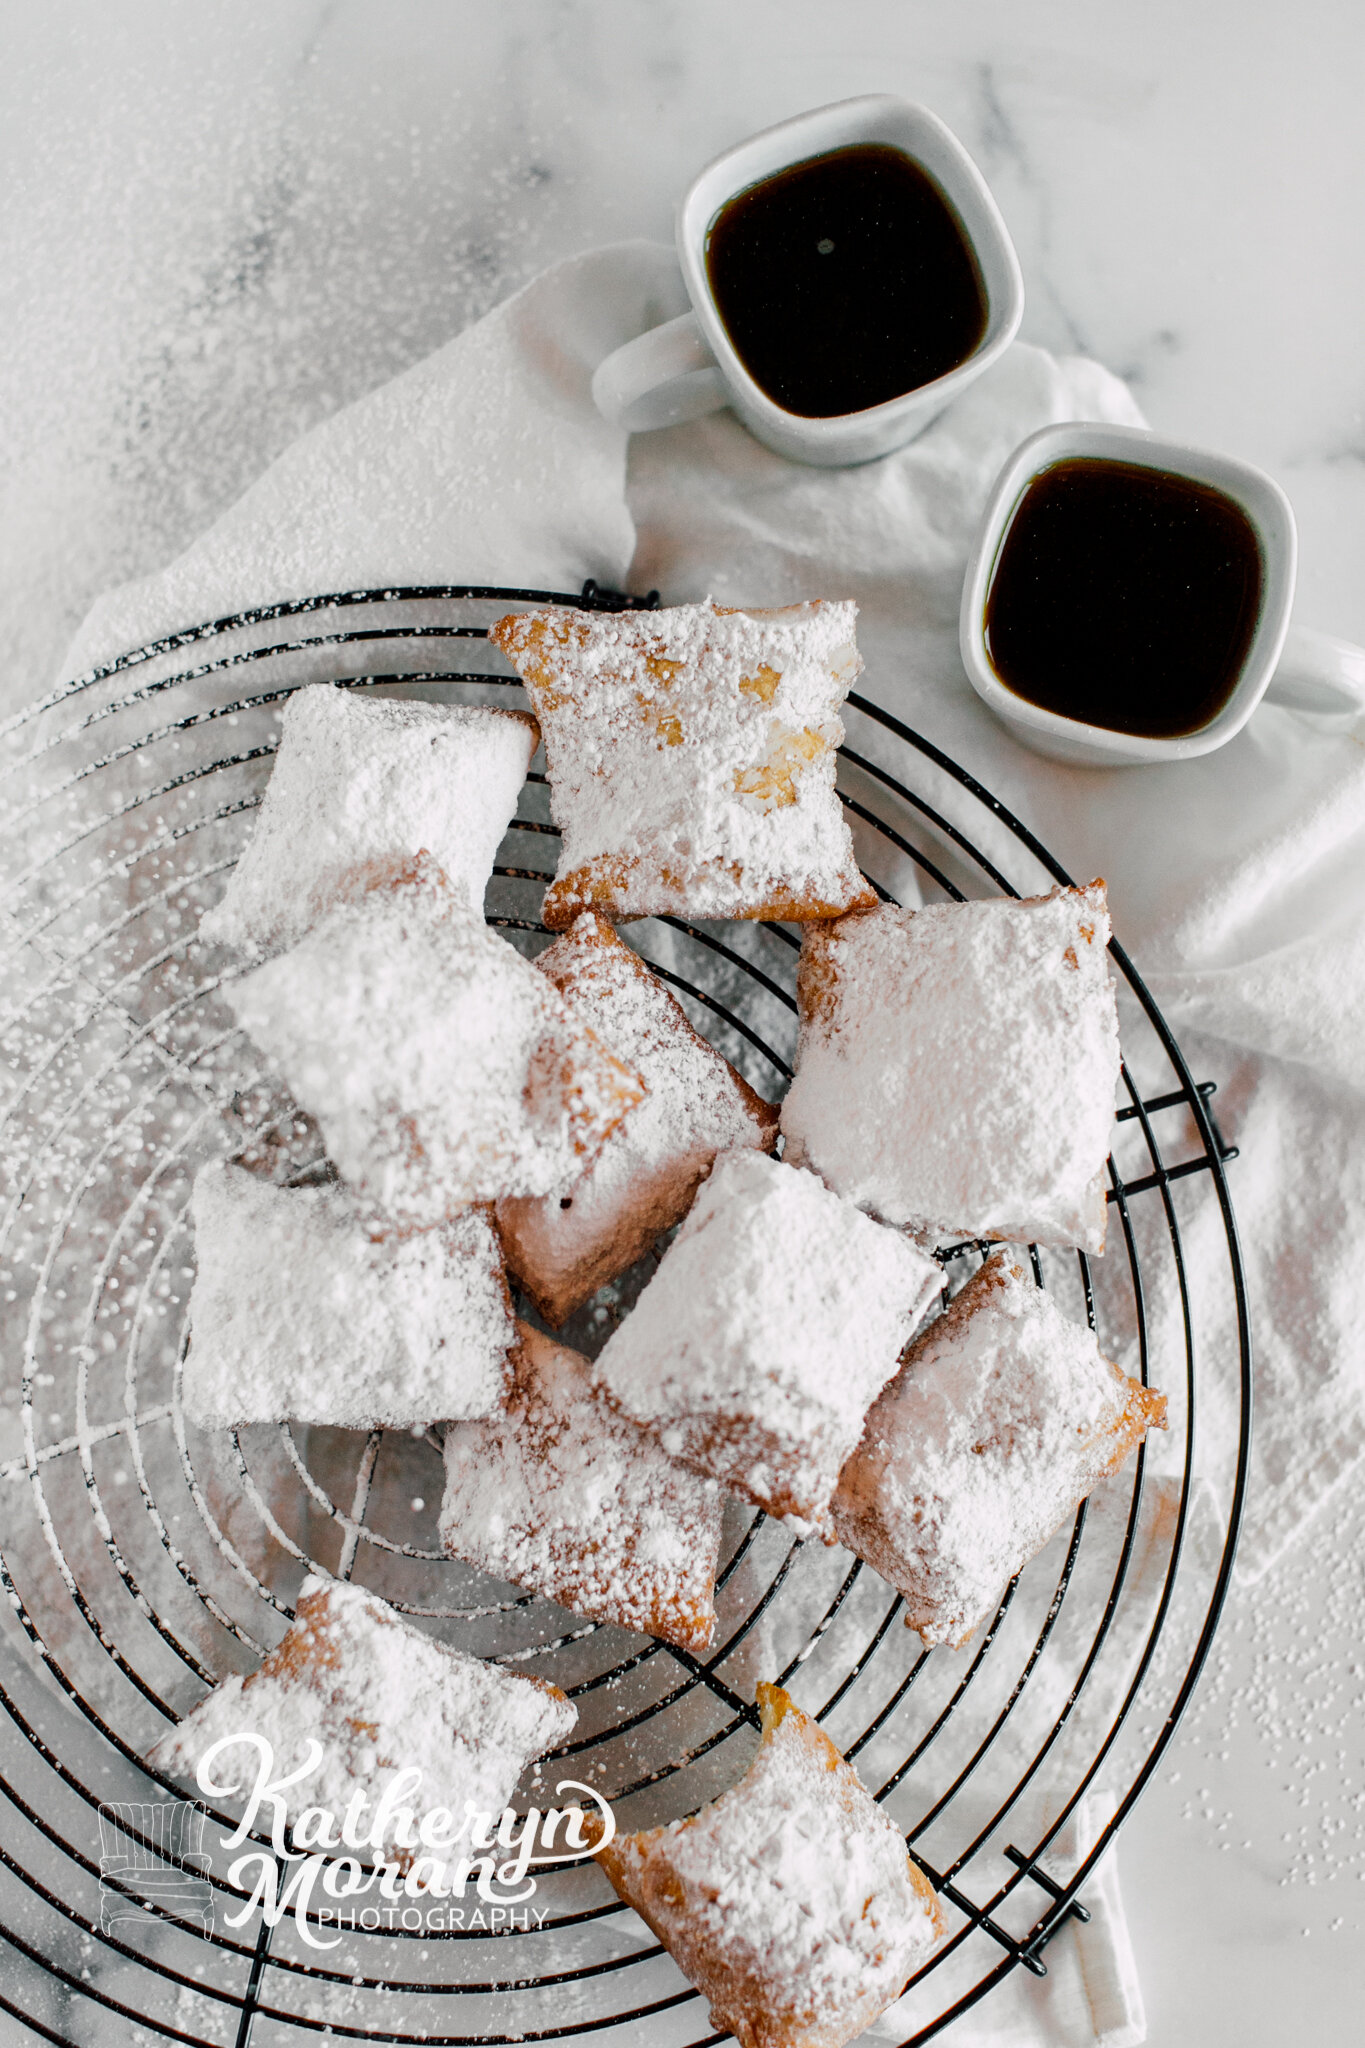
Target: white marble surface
{"x": 225, "y": 220}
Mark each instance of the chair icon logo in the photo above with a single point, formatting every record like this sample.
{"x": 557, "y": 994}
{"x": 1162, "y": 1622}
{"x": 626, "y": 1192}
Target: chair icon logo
{"x": 151, "y": 1856}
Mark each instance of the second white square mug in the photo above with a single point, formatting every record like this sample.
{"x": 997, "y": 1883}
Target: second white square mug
{"x": 1290, "y": 665}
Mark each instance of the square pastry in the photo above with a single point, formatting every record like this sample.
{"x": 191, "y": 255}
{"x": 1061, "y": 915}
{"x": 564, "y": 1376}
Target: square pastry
{"x": 562, "y": 1495}
{"x": 441, "y": 1068}
{"x": 957, "y": 1065}
{"x": 1002, "y": 1419}
{"x": 777, "y": 1314}
{"x": 378, "y": 1697}
{"x": 691, "y": 757}
{"x": 562, "y": 1248}
{"x": 789, "y": 1901}
{"x": 361, "y": 784}
{"x": 299, "y": 1310}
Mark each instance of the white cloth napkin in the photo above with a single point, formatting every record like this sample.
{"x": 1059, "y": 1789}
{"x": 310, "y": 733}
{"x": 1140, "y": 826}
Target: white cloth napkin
{"x": 1237, "y": 881}
{"x": 484, "y": 463}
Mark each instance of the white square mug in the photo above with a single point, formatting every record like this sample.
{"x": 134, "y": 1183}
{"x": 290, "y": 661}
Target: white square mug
{"x": 1290, "y": 665}
{"x": 689, "y": 366}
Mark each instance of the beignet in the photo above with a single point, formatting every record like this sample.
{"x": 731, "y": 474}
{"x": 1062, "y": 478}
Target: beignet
{"x": 298, "y": 1310}
{"x": 776, "y": 1315}
{"x": 691, "y": 758}
{"x": 789, "y": 1901}
{"x": 441, "y": 1068}
{"x": 379, "y": 1696}
{"x": 362, "y": 782}
{"x": 1004, "y": 1416}
{"x": 562, "y": 1495}
{"x": 563, "y": 1248}
{"x": 957, "y": 1066}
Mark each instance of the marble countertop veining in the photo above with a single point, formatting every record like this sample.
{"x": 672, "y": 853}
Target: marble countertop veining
{"x": 224, "y": 222}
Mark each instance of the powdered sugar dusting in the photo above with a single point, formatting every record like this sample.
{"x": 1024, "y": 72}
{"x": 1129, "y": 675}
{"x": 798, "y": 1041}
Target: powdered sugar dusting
{"x": 957, "y": 1066}
{"x": 789, "y": 1901}
{"x": 563, "y": 1249}
{"x": 1003, "y": 1417}
{"x": 442, "y": 1069}
{"x": 298, "y": 1311}
{"x": 691, "y": 756}
{"x": 564, "y": 1496}
{"x": 359, "y": 782}
{"x": 380, "y": 1696}
{"x": 776, "y": 1315}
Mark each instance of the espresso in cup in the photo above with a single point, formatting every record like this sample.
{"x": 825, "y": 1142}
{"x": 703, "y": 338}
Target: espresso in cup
{"x": 1127, "y": 599}
{"x": 845, "y": 281}
{"x": 1124, "y": 596}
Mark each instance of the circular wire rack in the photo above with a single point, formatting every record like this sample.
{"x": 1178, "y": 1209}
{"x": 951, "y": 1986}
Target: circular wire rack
{"x": 145, "y": 1560}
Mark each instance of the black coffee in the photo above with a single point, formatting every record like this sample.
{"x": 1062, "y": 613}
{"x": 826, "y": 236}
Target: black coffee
{"x": 845, "y": 281}
{"x": 1124, "y": 596}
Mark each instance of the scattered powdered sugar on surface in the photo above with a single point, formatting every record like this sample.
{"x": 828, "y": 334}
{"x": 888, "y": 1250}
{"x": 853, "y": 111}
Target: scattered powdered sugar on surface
{"x": 957, "y": 1066}
{"x": 1003, "y": 1417}
{"x": 776, "y": 1315}
{"x": 361, "y": 781}
{"x": 562, "y": 1495}
{"x": 442, "y": 1069}
{"x": 691, "y": 756}
{"x": 563, "y": 1249}
{"x": 379, "y": 1696}
{"x": 789, "y": 1901}
{"x": 298, "y": 1311}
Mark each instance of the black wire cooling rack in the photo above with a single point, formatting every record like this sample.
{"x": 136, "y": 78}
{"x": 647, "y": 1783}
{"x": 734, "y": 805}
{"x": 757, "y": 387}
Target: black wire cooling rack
{"x": 143, "y": 1561}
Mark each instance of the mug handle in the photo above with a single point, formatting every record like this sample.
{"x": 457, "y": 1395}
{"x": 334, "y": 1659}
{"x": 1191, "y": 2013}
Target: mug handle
{"x": 660, "y": 379}
{"x": 1317, "y": 673}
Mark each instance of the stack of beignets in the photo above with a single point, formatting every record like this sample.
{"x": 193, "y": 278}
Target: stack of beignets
{"x": 954, "y": 1080}
{"x": 441, "y": 1070}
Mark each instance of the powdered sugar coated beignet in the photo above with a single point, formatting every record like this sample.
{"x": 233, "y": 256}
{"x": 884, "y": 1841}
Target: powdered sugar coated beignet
{"x": 562, "y": 1249}
{"x": 379, "y": 1696}
{"x": 562, "y": 1495}
{"x": 691, "y": 756}
{"x": 1000, "y": 1422}
{"x": 442, "y": 1069}
{"x": 777, "y": 1314}
{"x": 361, "y": 782}
{"x": 957, "y": 1066}
{"x": 789, "y": 1901}
{"x": 297, "y": 1310}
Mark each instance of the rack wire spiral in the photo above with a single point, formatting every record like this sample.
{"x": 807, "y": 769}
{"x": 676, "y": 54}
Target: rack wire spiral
{"x": 143, "y": 1560}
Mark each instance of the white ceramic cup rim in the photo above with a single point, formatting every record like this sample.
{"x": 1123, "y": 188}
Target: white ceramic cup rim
{"x": 1272, "y": 520}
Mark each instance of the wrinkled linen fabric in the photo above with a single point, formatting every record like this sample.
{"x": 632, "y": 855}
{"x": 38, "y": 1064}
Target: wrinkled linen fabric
{"x": 1237, "y": 881}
